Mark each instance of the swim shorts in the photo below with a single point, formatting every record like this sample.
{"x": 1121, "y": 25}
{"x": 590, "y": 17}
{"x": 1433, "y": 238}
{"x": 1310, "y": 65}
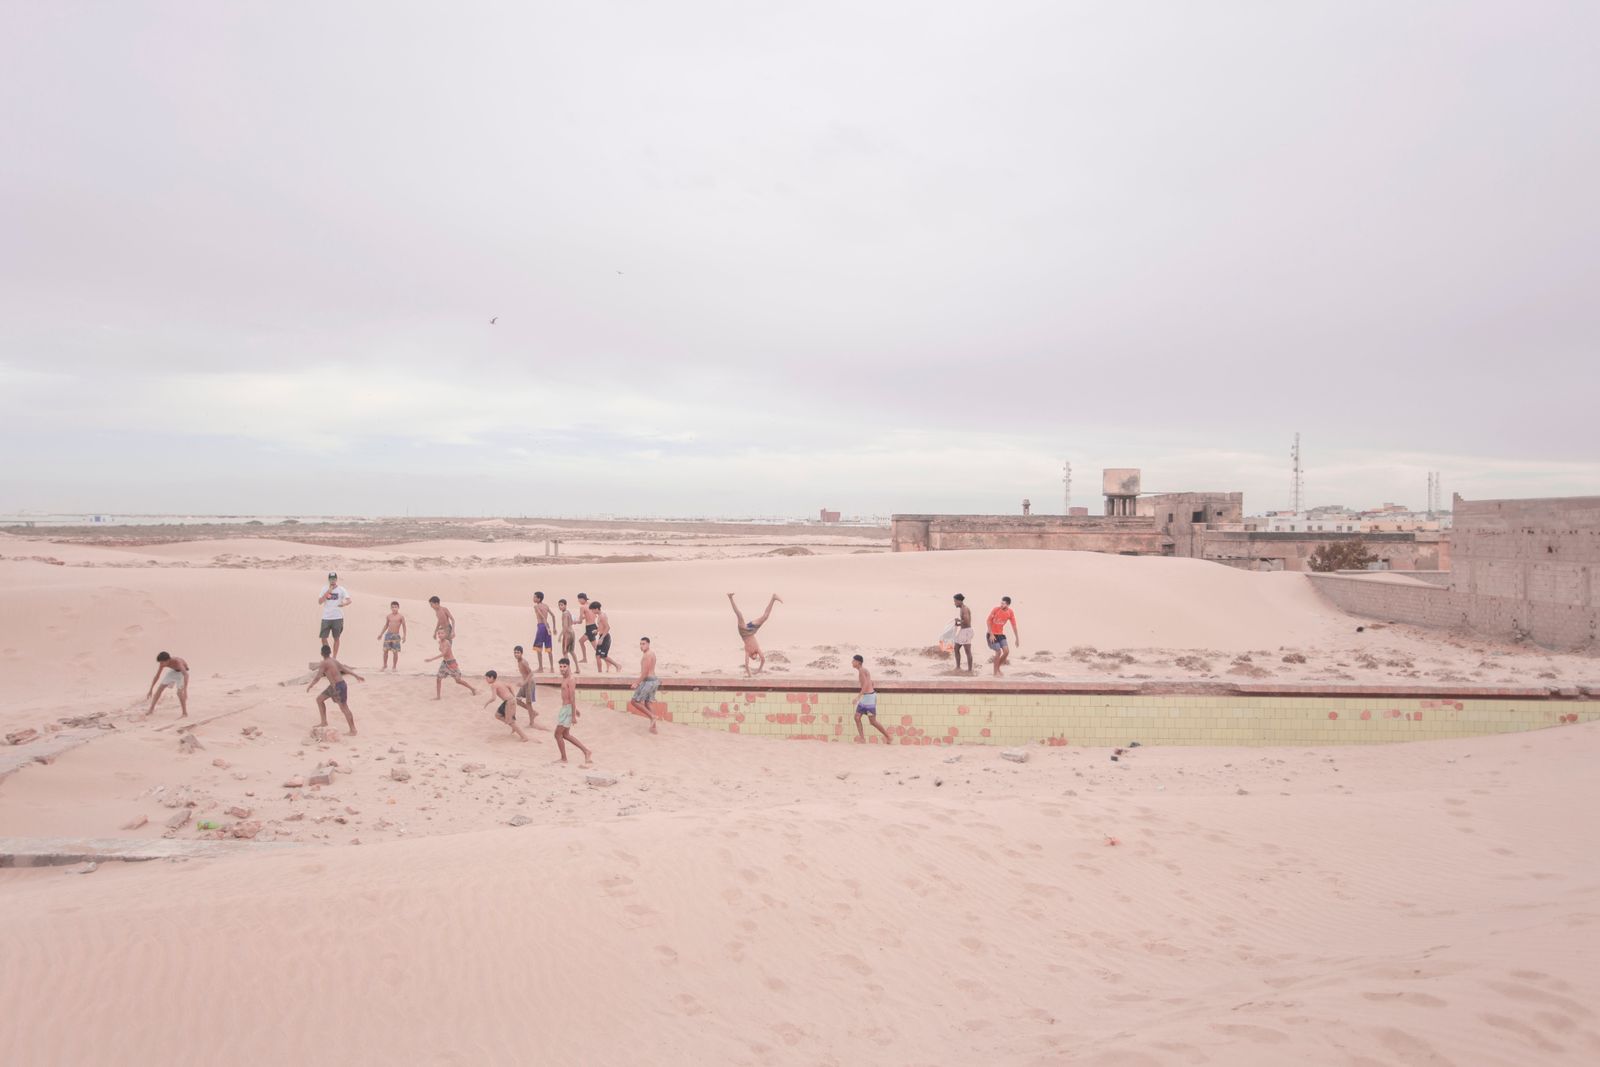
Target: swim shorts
{"x": 590, "y": 629}
{"x": 964, "y": 635}
{"x": 501, "y": 713}
{"x": 339, "y": 691}
{"x": 867, "y": 705}
{"x": 528, "y": 691}
{"x": 564, "y": 716}
{"x": 173, "y": 678}
{"x": 449, "y": 669}
{"x": 647, "y": 690}
{"x": 391, "y": 642}
{"x": 331, "y": 626}
{"x": 997, "y": 641}
{"x": 541, "y": 637}
{"x": 602, "y": 647}
{"x": 447, "y": 631}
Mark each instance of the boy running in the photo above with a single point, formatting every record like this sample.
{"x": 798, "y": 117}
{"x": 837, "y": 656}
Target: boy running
{"x": 393, "y": 635}
{"x": 528, "y": 692}
{"x": 644, "y": 690}
{"x": 867, "y": 703}
{"x": 542, "y": 645}
{"x": 448, "y": 668}
{"x": 507, "y": 712}
{"x": 333, "y": 672}
{"x": 747, "y": 633}
{"x": 177, "y": 676}
{"x": 602, "y": 641}
{"x": 569, "y": 714}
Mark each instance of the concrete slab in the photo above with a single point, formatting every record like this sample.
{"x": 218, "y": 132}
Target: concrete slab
{"x": 63, "y": 851}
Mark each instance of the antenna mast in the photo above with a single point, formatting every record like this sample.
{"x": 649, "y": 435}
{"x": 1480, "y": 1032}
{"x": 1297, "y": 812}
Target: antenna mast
{"x": 1066, "y": 487}
{"x": 1297, "y": 485}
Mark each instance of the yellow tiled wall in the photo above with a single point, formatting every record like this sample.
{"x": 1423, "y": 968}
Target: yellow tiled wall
{"x": 1101, "y": 719}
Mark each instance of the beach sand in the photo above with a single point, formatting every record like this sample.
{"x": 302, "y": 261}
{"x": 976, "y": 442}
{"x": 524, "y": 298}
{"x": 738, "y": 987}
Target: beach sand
{"x": 734, "y": 900}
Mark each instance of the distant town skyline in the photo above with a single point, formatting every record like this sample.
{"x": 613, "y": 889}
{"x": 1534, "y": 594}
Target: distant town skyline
{"x": 702, "y": 259}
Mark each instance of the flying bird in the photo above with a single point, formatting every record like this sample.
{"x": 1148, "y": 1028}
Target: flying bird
{"x": 494, "y": 320}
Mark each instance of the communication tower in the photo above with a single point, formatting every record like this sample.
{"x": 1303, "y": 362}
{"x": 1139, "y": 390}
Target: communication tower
{"x": 1298, "y": 485}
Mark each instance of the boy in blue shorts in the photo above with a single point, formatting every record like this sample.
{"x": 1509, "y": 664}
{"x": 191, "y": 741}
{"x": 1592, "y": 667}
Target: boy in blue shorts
{"x": 867, "y": 703}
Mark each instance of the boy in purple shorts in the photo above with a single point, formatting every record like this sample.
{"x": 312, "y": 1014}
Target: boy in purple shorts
{"x": 543, "y": 645}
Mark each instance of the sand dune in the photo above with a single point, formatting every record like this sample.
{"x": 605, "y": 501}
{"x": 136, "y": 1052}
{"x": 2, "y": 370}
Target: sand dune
{"x": 1416, "y": 904}
{"x": 733, "y": 900}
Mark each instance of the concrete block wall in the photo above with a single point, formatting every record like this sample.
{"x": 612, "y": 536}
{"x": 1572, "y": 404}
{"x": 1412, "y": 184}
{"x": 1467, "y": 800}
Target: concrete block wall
{"x": 950, "y": 718}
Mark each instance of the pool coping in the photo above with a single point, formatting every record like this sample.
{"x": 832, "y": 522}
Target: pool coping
{"x": 1173, "y": 687}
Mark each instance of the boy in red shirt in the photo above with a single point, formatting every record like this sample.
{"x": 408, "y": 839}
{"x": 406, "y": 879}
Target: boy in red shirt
{"x": 997, "y": 633}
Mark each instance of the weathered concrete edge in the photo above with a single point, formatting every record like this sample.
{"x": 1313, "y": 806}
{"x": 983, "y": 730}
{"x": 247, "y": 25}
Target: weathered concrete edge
{"x": 15, "y": 757}
{"x": 797, "y": 684}
{"x": 61, "y": 851}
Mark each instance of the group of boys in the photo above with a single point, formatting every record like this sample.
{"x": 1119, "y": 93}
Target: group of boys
{"x": 548, "y": 625}
{"x": 994, "y": 633}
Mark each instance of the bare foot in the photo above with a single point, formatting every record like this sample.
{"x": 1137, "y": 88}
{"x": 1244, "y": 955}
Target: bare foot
{"x": 652, "y": 727}
{"x": 588, "y": 763}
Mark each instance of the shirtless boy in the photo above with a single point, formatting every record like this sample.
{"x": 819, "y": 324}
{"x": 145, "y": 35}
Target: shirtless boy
{"x": 393, "y": 635}
{"x": 332, "y": 671}
{"x": 528, "y": 692}
{"x": 568, "y": 644}
{"x": 569, "y": 714}
{"x": 177, "y": 677}
{"x": 448, "y": 668}
{"x": 602, "y": 640}
{"x": 542, "y": 644}
{"x": 747, "y": 633}
{"x": 446, "y": 622}
{"x": 507, "y": 712}
{"x": 644, "y": 690}
{"x": 963, "y": 631}
{"x": 867, "y": 703}
{"x": 998, "y": 618}
{"x": 586, "y": 617}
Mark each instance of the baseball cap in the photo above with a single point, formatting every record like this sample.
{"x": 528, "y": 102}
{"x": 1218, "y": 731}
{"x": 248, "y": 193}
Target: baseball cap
{"x": 333, "y": 574}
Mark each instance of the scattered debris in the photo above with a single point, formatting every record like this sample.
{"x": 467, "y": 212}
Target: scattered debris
{"x": 398, "y": 775}
{"x": 135, "y": 822}
{"x": 188, "y": 742}
{"x": 238, "y": 813}
{"x": 220, "y": 763}
{"x": 1015, "y": 755}
{"x": 178, "y": 820}
{"x": 518, "y": 820}
{"x": 84, "y": 868}
{"x": 22, "y": 737}
{"x": 295, "y": 782}
{"x": 245, "y": 830}
{"x": 842, "y": 775}
{"x": 600, "y": 779}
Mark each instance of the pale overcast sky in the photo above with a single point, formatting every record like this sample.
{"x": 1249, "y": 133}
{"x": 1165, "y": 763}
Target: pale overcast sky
{"x": 760, "y": 258}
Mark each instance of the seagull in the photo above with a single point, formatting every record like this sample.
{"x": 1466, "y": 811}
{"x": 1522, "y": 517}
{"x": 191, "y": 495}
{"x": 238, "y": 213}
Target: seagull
{"x": 494, "y": 320}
